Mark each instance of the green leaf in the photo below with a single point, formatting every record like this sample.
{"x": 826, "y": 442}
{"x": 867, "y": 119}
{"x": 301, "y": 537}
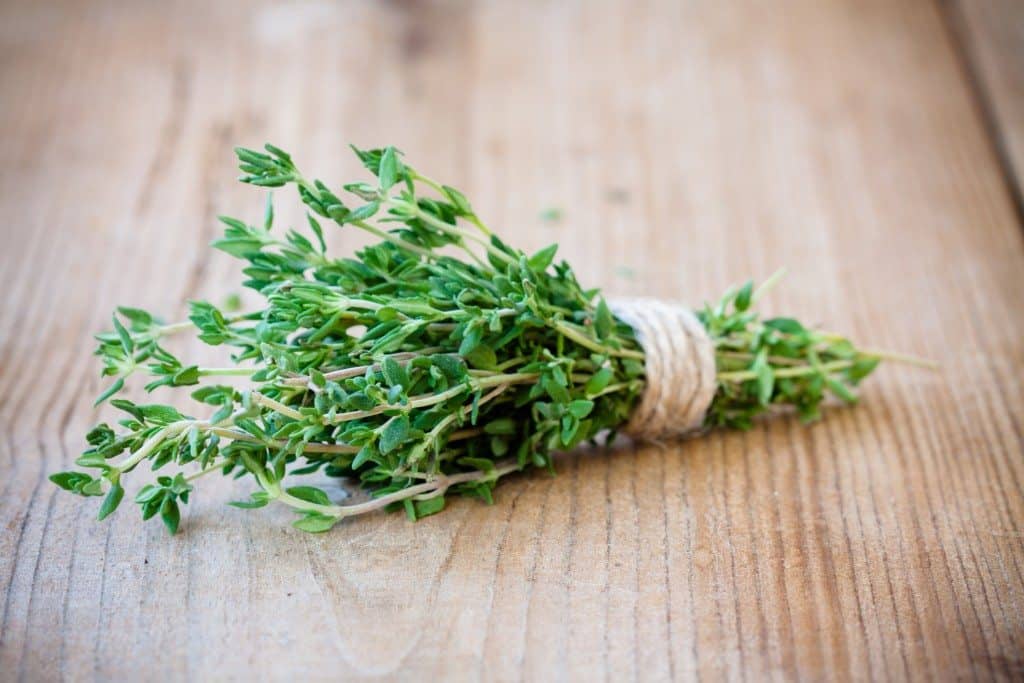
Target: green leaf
{"x": 362, "y": 190}
{"x": 499, "y": 446}
{"x": 360, "y": 401}
{"x": 481, "y": 464}
{"x": 91, "y": 458}
{"x": 180, "y": 485}
{"x": 843, "y": 348}
{"x": 110, "y": 391}
{"x": 362, "y": 213}
{"x": 214, "y": 395}
{"x": 310, "y": 494}
{"x": 386, "y": 313}
{"x": 128, "y": 407}
{"x": 136, "y": 316}
{"x": 282, "y": 155}
{"x": 127, "y": 344}
{"x": 71, "y": 481}
{"x": 394, "y": 373}
{"x": 148, "y": 493}
{"x": 251, "y": 427}
{"x": 503, "y": 425}
{"x": 66, "y": 480}
{"x": 187, "y": 376}
{"x": 170, "y": 514}
{"x": 598, "y": 381}
{"x": 430, "y": 506}
{"x": 557, "y": 392}
{"x": 239, "y": 247}
{"x": 303, "y": 245}
{"x": 364, "y": 454}
{"x": 581, "y": 408}
{"x": 259, "y": 499}
{"x": 388, "y": 173}
{"x": 570, "y": 425}
{"x": 474, "y": 335}
{"x": 482, "y": 357}
{"x": 151, "y": 507}
{"x": 458, "y": 199}
{"x": 160, "y": 414}
{"x": 111, "y": 502}
{"x": 862, "y": 367}
{"x": 221, "y": 414}
{"x": 743, "y": 297}
{"x": 604, "y": 323}
{"x": 841, "y": 390}
{"x": 543, "y": 258}
{"x": 315, "y": 523}
{"x": 395, "y": 431}
{"x": 314, "y": 225}
{"x": 451, "y": 366}
{"x": 785, "y": 325}
{"x": 338, "y": 213}
{"x": 268, "y": 212}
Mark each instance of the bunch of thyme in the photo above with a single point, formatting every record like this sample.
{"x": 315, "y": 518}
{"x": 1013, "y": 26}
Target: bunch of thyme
{"x": 435, "y": 362}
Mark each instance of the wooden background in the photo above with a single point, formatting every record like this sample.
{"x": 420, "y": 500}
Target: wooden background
{"x": 872, "y": 146}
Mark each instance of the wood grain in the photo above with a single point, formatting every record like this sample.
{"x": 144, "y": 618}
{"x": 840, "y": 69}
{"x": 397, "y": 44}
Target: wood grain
{"x": 992, "y": 34}
{"x": 691, "y": 145}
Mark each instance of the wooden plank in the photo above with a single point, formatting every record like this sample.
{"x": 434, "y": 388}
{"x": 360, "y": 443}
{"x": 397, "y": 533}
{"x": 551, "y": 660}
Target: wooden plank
{"x": 992, "y": 32}
{"x": 689, "y": 146}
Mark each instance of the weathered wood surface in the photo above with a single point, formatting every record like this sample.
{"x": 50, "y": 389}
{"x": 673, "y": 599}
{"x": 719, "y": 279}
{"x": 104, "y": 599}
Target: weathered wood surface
{"x": 690, "y": 146}
{"x": 992, "y": 35}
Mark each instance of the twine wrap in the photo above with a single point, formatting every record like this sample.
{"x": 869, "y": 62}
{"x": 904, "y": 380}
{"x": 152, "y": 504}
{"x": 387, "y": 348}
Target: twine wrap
{"x": 679, "y": 364}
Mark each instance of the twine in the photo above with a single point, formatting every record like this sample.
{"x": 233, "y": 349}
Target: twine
{"x": 679, "y": 364}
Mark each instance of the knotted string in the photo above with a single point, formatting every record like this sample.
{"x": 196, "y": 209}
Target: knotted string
{"x": 679, "y": 365}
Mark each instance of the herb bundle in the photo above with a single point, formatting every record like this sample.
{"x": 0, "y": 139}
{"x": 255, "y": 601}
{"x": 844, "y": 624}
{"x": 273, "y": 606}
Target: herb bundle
{"x": 435, "y": 362}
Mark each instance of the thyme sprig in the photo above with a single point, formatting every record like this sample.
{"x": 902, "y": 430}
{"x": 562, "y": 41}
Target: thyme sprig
{"x": 436, "y": 361}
